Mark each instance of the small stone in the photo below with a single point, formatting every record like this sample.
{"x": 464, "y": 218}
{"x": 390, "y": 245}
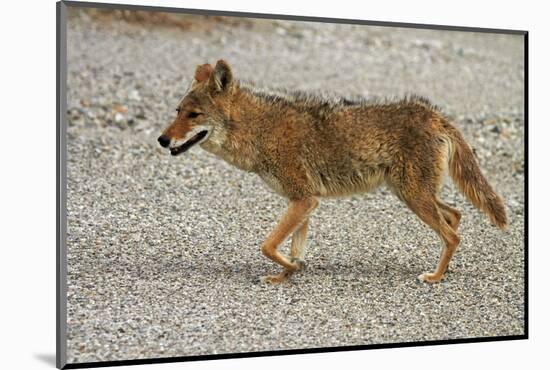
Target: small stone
{"x": 119, "y": 117}
{"x": 280, "y": 31}
{"x": 134, "y": 95}
{"x": 120, "y": 109}
{"x": 489, "y": 121}
{"x": 496, "y": 129}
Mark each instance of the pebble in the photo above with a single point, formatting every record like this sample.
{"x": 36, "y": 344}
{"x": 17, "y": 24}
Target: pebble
{"x": 134, "y": 95}
{"x": 119, "y": 117}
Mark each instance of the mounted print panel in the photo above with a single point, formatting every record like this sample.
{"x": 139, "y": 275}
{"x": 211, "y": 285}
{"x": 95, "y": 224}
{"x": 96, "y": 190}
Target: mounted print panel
{"x": 243, "y": 185}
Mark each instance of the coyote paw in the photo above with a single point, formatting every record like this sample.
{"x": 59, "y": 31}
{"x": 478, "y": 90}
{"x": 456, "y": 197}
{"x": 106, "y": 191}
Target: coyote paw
{"x": 300, "y": 263}
{"x": 429, "y": 277}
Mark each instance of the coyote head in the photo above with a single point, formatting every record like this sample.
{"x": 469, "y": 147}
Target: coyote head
{"x": 204, "y": 110}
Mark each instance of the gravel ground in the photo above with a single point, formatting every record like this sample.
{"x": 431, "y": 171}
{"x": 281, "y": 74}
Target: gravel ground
{"x": 163, "y": 252}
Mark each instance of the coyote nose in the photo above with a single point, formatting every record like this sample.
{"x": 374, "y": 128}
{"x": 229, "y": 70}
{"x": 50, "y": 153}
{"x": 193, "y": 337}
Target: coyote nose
{"x": 164, "y": 141}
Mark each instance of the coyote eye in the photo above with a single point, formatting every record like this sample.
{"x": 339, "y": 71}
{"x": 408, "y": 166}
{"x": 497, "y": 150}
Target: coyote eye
{"x": 194, "y": 114}
{"x": 178, "y": 110}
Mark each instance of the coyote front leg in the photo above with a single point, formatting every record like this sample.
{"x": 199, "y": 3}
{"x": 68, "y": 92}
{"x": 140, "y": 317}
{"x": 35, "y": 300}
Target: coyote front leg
{"x": 296, "y": 214}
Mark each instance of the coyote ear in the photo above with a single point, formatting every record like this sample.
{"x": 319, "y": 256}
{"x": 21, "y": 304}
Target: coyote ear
{"x": 203, "y": 72}
{"x": 222, "y": 77}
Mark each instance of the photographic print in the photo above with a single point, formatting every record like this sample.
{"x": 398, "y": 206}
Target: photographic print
{"x": 241, "y": 185}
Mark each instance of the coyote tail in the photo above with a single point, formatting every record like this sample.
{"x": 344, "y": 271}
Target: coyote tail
{"x": 467, "y": 176}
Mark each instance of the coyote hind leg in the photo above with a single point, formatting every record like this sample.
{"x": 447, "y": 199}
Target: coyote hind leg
{"x": 452, "y": 215}
{"x": 427, "y": 209}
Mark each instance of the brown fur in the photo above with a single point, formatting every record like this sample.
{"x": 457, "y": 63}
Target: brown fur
{"x": 305, "y": 147}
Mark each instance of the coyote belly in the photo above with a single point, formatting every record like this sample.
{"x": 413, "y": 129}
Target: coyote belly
{"x": 307, "y": 147}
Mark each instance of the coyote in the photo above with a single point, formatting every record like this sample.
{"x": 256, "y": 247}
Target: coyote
{"x": 307, "y": 147}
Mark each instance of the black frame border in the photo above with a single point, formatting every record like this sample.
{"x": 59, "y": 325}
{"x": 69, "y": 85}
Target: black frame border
{"x": 61, "y": 182}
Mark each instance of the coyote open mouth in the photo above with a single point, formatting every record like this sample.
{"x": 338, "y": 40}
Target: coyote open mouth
{"x": 189, "y": 143}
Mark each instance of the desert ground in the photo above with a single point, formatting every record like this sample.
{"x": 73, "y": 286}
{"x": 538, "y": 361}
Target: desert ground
{"x": 164, "y": 252}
